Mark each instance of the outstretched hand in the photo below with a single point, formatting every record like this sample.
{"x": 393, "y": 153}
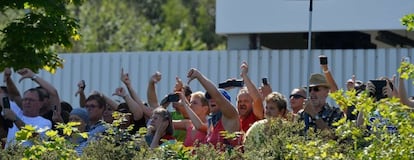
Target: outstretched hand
{"x": 125, "y": 77}
{"x": 178, "y": 85}
{"x": 120, "y": 92}
{"x": 192, "y": 74}
{"x": 81, "y": 87}
{"x": 25, "y": 73}
{"x": 244, "y": 69}
{"x": 156, "y": 77}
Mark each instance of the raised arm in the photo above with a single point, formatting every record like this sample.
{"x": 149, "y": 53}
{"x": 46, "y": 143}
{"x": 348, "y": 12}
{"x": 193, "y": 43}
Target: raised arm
{"x": 403, "y": 94}
{"x": 258, "y": 110}
{"x": 54, "y": 99}
{"x": 81, "y": 93}
{"x": 151, "y": 93}
{"x": 328, "y": 75}
{"x": 136, "y": 109}
{"x": 230, "y": 117}
{"x": 12, "y": 90}
{"x": 125, "y": 79}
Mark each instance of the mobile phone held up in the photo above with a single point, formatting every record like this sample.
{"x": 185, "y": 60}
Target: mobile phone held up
{"x": 231, "y": 83}
{"x": 323, "y": 60}
{"x": 264, "y": 81}
{"x": 6, "y": 102}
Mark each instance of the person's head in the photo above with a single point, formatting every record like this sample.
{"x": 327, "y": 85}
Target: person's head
{"x": 162, "y": 116}
{"x": 32, "y": 102}
{"x": 276, "y": 105}
{"x": 129, "y": 119}
{"x": 318, "y": 90}
{"x": 296, "y": 99}
{"x": 350, "y": 84}
{"x": 212, "y": 102}
{"x": 244, "y": 102}
{"x": 79, "y": 115}
{"x": 107, "y": 115}
{"x": 187, "y": 92}
{"x": 95, "y": 105}
{"x": 45, "y": 96}
{"x": 66, "y": 106}
{"x": 199, "y": 104}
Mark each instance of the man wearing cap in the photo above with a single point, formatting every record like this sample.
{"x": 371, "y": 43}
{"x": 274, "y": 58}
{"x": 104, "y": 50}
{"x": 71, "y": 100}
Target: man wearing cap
{"x": 317, "y": 113}
{"x": 223, "y": 115}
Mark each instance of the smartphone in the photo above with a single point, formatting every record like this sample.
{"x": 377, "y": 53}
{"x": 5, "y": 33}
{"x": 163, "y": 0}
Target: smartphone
{"x": 323, "y": 60}
{"x": 6, "y": 102}
{"x": 379, "y": 85}
{"x": 264, "y": 81}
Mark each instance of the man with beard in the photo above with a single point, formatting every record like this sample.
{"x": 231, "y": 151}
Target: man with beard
{"x": 249, "y": 101}
{"x": 317, "y": 113}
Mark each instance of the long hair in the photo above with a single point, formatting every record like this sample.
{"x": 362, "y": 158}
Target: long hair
{"x": 166, "y": 116}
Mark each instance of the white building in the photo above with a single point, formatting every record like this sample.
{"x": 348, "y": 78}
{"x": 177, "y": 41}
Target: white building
{"x": 336, "y": 24}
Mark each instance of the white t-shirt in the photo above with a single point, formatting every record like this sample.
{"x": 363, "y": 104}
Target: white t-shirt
{"x": 39, "y": 123}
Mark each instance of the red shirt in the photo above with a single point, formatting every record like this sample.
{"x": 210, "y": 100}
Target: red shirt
{"x": 214, "y": 137}
{"x": 248, "y": 121}
{"x": 193, "y": 136}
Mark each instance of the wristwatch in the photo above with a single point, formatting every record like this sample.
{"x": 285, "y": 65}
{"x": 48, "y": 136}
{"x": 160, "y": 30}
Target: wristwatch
{"x": 316, "y": 117}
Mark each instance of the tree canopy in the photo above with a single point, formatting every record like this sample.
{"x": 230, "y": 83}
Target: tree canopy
{"x": 31, "y": 28}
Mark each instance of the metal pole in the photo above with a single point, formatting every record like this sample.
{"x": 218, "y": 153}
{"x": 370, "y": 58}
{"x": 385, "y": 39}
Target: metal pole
{"x": 309, "y": 47}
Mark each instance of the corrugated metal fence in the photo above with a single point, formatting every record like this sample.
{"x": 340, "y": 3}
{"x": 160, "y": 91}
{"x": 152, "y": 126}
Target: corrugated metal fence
{"x": 285, "y": 69}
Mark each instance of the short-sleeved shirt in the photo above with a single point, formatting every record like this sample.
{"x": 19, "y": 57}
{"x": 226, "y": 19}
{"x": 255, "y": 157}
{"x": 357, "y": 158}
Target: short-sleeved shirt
{"x": 248, "y": 121}
{"x": 328, "y": 114}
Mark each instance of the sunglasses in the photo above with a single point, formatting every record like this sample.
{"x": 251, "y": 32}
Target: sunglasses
{"x": 315, "y": 89}
{"x": 296, "y": 96}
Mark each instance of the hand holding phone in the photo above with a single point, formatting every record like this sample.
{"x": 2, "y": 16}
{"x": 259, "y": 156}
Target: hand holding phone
{"x": 6, "y": 102}
{"x": 264, "y": 81}
{"x": 323, "y": 60}
{"x": 379, "y": 85}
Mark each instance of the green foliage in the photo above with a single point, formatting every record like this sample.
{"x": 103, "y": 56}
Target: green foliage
{"x": 51, "y": 146}
{"x": 144, "y": 25}
{"x": 408, "y": 21}
{"x": 27, "y": 38}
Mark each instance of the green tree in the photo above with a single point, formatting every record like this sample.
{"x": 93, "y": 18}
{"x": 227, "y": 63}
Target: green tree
{"x": 146, "y": 25}
{"x": 408, "y": 21}
{"x": 33, "y": 28}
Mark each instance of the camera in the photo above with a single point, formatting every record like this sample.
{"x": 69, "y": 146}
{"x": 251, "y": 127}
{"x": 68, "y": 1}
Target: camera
{"x": 379, "y": 85}
{"x": 231, "y": 83}
{"x": 172, "y": 97}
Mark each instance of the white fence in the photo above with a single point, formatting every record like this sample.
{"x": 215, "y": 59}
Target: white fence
{"x": 285, "y": 69}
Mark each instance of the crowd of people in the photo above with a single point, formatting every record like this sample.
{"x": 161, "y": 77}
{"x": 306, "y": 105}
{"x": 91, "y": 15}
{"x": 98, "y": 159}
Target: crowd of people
{"x": 201, "y": 115}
